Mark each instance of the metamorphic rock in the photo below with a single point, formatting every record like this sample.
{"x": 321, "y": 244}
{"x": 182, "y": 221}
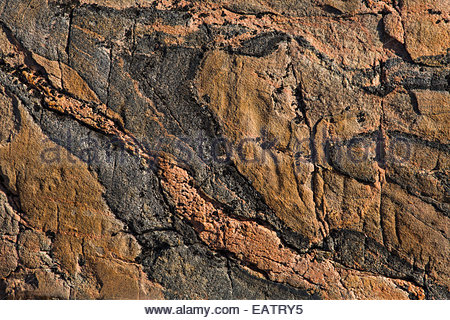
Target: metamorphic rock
{"x": 215, "y": 149}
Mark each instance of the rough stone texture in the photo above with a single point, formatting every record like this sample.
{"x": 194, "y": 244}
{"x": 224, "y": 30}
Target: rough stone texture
{"x": 224, "y": 149}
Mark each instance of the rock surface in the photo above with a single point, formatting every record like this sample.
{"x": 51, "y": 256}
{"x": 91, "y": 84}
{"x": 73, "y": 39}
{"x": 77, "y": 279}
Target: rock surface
{"x": 224, "y": 149}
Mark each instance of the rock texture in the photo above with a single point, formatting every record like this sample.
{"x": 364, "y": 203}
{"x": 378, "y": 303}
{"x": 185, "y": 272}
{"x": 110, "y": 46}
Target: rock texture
{"x": 185, "y": 149}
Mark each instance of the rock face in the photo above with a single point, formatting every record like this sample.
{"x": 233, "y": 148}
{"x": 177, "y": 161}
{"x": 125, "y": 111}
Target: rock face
{"x": 224, "y": 149}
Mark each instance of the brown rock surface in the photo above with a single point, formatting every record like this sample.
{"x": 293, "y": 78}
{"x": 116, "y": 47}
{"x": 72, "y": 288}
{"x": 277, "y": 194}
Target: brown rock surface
{"x": 224, "y": 149}
{"x": 70, "y": 244}
{"x": 426, "y": 29}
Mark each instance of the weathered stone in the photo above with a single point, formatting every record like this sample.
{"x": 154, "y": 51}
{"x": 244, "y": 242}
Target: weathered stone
{"x": 393, "y": 26}
{"x": 9, "y": 219}
{"x": 8, "y": 260}
{"x": 38, "y": 284}
{"x": 427, "y": 34}
{"x": 71, "y": 226}
{"x": 224, "y": 149}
